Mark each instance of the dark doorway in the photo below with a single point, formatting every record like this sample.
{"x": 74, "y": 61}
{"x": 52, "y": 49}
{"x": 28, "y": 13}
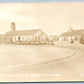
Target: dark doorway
{"x": 18, "y": 38}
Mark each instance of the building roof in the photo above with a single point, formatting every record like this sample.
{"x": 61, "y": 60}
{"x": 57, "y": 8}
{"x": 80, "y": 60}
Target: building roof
{"x": 73, "y": 33}
{"x": 1, "y": 35}
{"x": 22, "y": 32}
{"x": 54, "y": 36}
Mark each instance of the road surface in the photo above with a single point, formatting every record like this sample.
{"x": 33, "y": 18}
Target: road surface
{"x": 68, "y": 69}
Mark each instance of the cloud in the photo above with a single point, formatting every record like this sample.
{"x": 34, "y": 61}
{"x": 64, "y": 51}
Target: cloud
{"x": 7, "y": 13}
{"x": 58, "y": 17}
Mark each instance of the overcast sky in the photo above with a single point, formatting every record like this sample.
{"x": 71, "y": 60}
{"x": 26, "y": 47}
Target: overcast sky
{"x": 54, "y": 17}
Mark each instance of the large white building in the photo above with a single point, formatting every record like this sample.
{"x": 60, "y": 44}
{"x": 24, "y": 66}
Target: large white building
{"x": 25, "y": 36}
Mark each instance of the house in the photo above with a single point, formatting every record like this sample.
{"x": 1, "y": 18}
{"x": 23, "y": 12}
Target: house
{"x": 33, "y": 36}
{"x": 55, "y": 38}
{"x": 52, "y": 39}
{"x": 74, "y": 35}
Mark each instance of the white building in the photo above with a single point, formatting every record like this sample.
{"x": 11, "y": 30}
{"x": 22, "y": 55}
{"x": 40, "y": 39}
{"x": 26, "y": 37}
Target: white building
{"x": 24, "y": 36}
{"x": 74, "y": 35}
{"x": 34, "y": 35}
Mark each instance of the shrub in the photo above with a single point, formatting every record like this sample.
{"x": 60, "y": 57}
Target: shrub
{"x": 72, "y": 41}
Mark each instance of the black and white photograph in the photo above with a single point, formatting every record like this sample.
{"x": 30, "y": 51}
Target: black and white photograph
{"x": 42, "y": 42}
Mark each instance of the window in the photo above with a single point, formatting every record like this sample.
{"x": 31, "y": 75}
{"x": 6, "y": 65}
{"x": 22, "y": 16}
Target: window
{"x": 35, "y": 38}
{"x": 18, "y": 38}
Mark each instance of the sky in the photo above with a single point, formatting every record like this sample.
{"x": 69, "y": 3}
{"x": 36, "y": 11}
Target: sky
{"x": 41, "y": 0}
{"x": 52, "y": 17}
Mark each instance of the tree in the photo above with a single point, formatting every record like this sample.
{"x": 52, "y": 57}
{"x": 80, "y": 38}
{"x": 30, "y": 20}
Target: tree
{"x": 81, "y": 38}
{"x": 76, "y": 38}
{"x": 72, "y": 41}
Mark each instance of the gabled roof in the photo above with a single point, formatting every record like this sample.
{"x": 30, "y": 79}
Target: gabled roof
{"x": 43, "y": 34}
{"x": 73, "y": 33}
{"x": 54, "y": 36}
{"x": 22, "y": 32}
{"x": 1, "y": 34}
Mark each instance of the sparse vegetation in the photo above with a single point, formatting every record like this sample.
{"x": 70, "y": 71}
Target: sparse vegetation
{"x": 76, "y": 39}
{"x": 82, "y": 39}
{"x": 72, "y": 41}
